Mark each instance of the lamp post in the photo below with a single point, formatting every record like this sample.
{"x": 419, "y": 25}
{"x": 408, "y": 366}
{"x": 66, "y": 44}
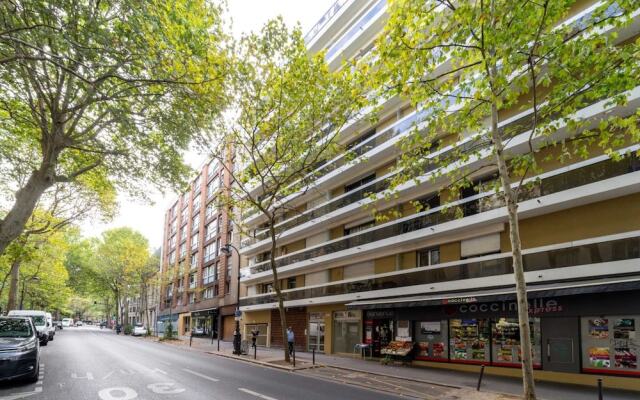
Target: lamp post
{"x": 226, "y": 249}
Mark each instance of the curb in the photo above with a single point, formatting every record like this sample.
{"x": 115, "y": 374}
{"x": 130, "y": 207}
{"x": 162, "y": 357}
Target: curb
{"x": 263, "y": 363}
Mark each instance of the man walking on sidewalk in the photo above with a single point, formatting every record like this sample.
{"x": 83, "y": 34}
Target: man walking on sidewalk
{"x": 290, "y": 339}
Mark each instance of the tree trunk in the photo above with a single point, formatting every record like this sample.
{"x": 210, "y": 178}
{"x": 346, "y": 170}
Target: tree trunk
{"x": 276, "y": 287}
{"x": 511, "y": 201}
{"x": 118, "y": 309}
{"x": 13, "y": 285}
{"x": 25, "y": 202}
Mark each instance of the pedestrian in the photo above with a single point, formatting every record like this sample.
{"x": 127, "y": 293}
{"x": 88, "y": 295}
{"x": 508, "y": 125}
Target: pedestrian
{"x": 290, "y": 339}
{"x": 254, "y": 337}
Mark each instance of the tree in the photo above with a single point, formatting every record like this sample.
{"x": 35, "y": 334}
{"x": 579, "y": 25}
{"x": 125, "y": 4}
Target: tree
{"x": 101, "y": 96}
{"x": 121, "y": 255}
{"x": 464, "y": 63}
{"x": 290, "y": 111}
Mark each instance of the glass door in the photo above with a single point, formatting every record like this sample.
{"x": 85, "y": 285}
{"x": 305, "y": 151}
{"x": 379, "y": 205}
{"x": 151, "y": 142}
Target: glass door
{"x": 316, "y": 336}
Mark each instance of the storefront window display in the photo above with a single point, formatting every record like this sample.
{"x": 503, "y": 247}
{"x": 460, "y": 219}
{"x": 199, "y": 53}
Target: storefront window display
{"x": 378, "y": 330}
{"x": 347, "y": 330}
{"x": 469, "y": 340}
{"x": 506, "y": 341}
{"x": 263, "y": 333}
{"x": 432, "y": 338}
{"x": 610, "y": 344}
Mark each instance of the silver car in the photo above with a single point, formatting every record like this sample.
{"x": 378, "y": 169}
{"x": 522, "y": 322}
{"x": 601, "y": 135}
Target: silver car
{"x": 19, "y": 349}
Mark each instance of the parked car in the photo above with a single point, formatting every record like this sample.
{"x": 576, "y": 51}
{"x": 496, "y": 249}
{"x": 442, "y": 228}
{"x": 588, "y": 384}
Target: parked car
{"x": 57, "y": 324}
{"x": 139, "y": 330}
{"x": 198, "y": 331}
{"x": 39, "y": 319}
{"x": 78, "y": 323}
{"x": 51, "y": 329}
{"x": 67, "y": 322}
{"x": 19, "y": 349}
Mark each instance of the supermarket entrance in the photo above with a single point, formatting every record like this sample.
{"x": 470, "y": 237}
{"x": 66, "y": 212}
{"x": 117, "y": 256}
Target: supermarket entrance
{"x": 561, "y": 344}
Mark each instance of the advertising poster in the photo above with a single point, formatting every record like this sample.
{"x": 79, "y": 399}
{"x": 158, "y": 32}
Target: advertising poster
{"x": 438, "y": 350}
{"x": 624, "y": 328}
{"x": 599, "y": 357}
{"x": 430, "y": 328}
{"x": 599, "y": 328}
{"x": 625, "y": 358}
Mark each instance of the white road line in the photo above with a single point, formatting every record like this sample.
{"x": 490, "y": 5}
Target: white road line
{"x": 201, "y": 375}
{"x": 251, "y": 392}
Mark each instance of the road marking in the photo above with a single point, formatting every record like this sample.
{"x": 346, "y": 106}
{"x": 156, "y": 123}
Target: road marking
{"x": 201, "y": 375}
{"x": 158, "y": 370}
{"x": 123, "y": 393}
{"x": 127, "y": 372}
{"x": 108, "y": 375}
{"x": 165, "y": 388}
{"x": 251, "y": 392}
{"x": 88, "y": 377}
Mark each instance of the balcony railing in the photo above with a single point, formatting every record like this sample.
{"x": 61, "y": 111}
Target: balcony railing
{"x": 615, "y": 250}
{"x": 333, "y": 10}
{"x": 355, "y": 29}
{"x": 473, "y": 205}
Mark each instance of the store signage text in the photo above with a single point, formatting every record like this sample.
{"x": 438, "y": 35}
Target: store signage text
{"x": 460, "y": 300}
{"x": 536, "y": 306}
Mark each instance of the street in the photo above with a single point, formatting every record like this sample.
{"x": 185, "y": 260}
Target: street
{"x": 89, "y": 363}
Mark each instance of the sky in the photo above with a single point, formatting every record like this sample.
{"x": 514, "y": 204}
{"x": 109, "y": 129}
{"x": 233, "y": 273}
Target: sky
{"x": 246, "y": 16}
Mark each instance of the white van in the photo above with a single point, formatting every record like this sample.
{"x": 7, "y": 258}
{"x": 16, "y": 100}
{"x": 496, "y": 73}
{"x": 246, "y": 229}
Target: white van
{"x": 51, "y": 329}
{"x": 39, "y": 319}
{"x": 67, "y": 322}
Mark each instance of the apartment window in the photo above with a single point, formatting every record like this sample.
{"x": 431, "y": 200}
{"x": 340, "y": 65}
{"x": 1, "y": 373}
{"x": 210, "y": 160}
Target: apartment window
{"x": 219, "y": 224}
{"x": 195, "y": 223}
{"x": 194, "y": 242}
{"x": 208, "y": 293}
{"x": 212, "y": 230}
{"x": 197, "y": 184}
{"x": 183, "y": 250}
{"x": 267, "y": 288}
{"x": 192, "y": 298}
{"x": 217, "y": 247}
{"x": 209, "y": 252}
{"x": 291, "y": 283}
{"x": 215, "y": 271}
{"x": 216, "y": 290}
{"x": 192, "y": 281}
{"x": 213, "y": 166}
{"x": 194, "y": 260}
{"x": 172, "y": 257}
{"x": 361, "y": 139}
{"x": 358, "y": 228}
{"x": 196, "y": 204}
{"x": 358, "y": 183}
{"x": 212, "y": 187}
{"x": 227, "y": 287}
{"x": 207, "y": 275}
{"x": 174, "y": 209}
{"x": 183, "y": 216}
{"x": 430, "y": 201}
{"x": 221, "y": 183}
{"x": 211, "y": 210}
{"x": 173, "y": 226}
{"x": 229, "y": 266}
{"x": 172, "y": 242}
{"x": 430, "y": 256}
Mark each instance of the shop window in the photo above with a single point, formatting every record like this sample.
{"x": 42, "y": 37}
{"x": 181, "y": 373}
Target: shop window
{"x": 346, "y": 330}
{"x": 506, "y": 341}
{"x": 469, "y": 339}
{"x": 609, "y": 344}
{"x": 432, "y": 338}
{"x": 262, "y": 329}
{"x": 430, "y": 256}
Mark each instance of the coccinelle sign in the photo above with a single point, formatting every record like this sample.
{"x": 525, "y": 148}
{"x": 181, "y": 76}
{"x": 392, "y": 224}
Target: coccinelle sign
{"x": 536, "y": 306}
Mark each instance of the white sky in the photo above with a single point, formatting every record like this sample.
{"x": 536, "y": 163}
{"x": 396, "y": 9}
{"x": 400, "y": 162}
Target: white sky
{"x": 247, "y": 15}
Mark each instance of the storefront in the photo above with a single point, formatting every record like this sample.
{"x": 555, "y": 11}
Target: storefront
{"x": 205, "y": 322}
{"x": 347, "y": 330}
{"x": 587, "y": 333}
{"x": 316, "y": 331}
{"x": 164, "y": 320}
{"x": 379, "y": 329}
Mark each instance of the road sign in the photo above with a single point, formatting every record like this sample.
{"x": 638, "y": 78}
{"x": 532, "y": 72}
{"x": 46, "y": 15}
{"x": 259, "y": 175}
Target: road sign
{"x": 238, "y": 314}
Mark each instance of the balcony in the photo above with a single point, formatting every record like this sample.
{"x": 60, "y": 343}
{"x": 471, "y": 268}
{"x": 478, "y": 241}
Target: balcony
{"x": 600, "y": 252}
{"x": 383, "y": 140}
{"x": 550, "y": 183}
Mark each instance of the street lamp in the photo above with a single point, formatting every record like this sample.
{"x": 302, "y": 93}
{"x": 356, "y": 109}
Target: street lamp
{"x": 226, "y": 250}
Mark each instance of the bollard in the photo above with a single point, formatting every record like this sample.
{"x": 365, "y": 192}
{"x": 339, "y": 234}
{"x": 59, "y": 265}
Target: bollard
{"x": 218, "y": 342}
{"x": 314, "y": 356}
{"x": 190, "y": 340}
{"x": 480, "y": 378}
{"x": 599, "y": 388}
{"x": 255, "y": 352}
{"x": 294, "y": 357}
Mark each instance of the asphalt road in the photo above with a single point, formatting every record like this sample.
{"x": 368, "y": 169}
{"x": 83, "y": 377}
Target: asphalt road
{"x": 89, "y": 363}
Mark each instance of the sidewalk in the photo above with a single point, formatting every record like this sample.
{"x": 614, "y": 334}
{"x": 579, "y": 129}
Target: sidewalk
{"x": 545, "y": 390}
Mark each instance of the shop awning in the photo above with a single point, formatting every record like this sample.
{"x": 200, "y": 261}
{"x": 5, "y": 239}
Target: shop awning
{"x": 534, "y": 291}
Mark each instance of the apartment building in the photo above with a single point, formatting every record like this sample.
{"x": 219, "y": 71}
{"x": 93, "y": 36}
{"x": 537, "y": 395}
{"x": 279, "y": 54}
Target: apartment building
{"x": 445, "y": 282}
{"x": 199, "y": 288}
